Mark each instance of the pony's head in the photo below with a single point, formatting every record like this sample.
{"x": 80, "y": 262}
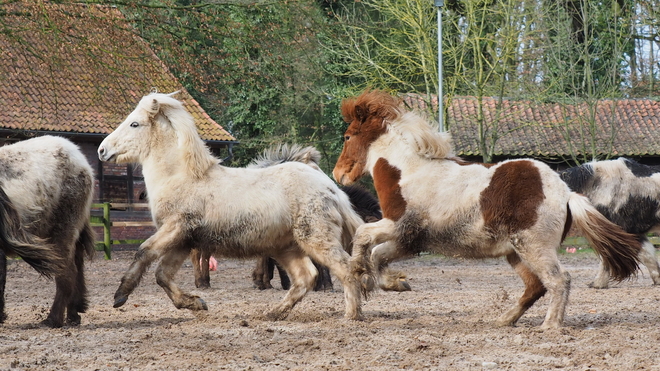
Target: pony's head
{"x": 159, "y": 122}
{"x": 367, "y": 117}
{"x": 373, "y": 114}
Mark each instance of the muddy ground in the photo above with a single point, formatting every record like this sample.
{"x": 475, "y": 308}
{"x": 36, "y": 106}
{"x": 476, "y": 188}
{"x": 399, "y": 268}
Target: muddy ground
{"x": 445, "y": 323}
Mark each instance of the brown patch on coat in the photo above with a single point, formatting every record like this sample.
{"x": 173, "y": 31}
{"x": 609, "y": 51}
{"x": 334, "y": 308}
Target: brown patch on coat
{"x": 386, "y": 181}
{"x": 511, "y": 200}
{"x": 366, "y": 116}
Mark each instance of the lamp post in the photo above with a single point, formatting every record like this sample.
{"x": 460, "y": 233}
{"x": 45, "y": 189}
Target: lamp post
{"x": 439, "y": 4}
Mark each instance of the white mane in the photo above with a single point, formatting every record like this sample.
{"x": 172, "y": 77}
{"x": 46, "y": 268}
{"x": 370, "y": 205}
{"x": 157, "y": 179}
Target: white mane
{"x": 426, "y": 140}
{"x": 170, "y": 111}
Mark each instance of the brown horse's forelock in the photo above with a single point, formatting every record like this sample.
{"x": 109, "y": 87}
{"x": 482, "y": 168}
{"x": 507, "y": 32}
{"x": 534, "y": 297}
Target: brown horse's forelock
{"x": 367, "y": 116}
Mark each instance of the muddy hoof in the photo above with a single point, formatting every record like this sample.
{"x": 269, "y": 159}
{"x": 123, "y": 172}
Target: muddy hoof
{"x": 119, "y": 301}
{"x": 201, "y": 304}
{"x": 368, "y": 283}
{"x": 399, "y": 285}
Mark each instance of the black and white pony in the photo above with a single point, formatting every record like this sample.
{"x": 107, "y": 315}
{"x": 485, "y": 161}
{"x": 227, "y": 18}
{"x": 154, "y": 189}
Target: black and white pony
{"x": 628, "y": 194}
{"x": 47, "y": 188}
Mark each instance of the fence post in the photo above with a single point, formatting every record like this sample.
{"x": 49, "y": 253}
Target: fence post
{"x": 107, "y": 241}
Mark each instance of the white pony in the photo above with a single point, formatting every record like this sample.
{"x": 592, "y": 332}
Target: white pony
{"x": 290, "y": 211}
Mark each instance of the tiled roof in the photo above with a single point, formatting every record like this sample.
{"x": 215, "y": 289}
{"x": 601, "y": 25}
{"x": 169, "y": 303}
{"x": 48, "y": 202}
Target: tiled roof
{"x": 622, "y": 127}
{"x": 86, "y": 79}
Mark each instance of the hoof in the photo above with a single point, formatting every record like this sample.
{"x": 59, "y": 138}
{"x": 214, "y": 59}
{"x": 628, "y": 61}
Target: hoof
{"x": 49, "y": 322}
{"x": 201, "y": 304}
{"x": 595, "y": 286}
{"x": 368, "y": 283}
{"x": 399, "y": 285}
{"x": 275, "y": 315}
{"x": 119, "y": 301}
{"x": 73, "y": 320}
{"x": 203, "y": 285}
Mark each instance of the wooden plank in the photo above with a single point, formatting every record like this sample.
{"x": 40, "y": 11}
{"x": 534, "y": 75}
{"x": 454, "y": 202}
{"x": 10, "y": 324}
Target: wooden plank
{"x": 132, "y": 224}
{"x": 126, "y": 206}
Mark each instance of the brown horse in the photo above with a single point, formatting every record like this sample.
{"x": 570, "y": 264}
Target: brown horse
{"x": 432, "y": 201}
{"x": 49, "y": 186}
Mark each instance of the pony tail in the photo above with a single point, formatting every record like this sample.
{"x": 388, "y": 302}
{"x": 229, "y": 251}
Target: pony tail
{"x": 32, "y": 249}
{"x": 618, "y": 250}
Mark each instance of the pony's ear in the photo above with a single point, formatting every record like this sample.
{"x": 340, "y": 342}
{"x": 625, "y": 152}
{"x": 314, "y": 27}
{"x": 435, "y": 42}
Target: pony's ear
{"x": 361, "y": 113}
{"x": 153, "y": 108}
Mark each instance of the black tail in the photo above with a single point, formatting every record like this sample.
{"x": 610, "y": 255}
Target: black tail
{"x": 15, "y": 241}
{"x": 86, "y": 241}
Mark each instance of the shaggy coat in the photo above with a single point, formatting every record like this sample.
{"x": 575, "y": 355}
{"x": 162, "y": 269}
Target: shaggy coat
{"x": 289, "y": 211}
{"x": 628, "y": 194}
{"x": 49, "y": 185}
{"x": 432, "y": 201}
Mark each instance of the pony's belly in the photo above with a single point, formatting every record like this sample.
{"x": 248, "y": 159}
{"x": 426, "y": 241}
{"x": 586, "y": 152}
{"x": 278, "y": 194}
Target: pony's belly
{"x": 463, "y": 236}
{"x": 246, "y": 243}
{"x": 475, "y": 250}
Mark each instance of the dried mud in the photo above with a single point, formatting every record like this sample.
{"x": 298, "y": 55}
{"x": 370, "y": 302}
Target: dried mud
{"x": 445, "y": 323}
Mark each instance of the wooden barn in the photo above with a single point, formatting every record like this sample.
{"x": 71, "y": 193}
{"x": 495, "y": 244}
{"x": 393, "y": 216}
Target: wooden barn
{"x": 79, "y": 78}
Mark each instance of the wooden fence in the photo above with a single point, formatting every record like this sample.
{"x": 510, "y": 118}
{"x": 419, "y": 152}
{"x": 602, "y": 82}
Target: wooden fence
{"x": 104, "y": 221}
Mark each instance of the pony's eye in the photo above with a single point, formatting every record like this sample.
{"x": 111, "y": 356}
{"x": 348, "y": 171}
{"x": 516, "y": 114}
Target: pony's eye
{"x": 135, "y": 124}
{"x": 347, "y": 137}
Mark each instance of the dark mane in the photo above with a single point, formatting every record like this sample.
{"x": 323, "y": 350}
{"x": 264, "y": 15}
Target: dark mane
{"x": 364, "y": 203}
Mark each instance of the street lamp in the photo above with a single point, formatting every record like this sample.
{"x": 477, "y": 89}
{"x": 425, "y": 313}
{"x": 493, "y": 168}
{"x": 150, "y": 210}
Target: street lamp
{"x": 439, "y": 4}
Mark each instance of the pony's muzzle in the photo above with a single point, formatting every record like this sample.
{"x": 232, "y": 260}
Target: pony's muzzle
{"x": 103, "y": 153}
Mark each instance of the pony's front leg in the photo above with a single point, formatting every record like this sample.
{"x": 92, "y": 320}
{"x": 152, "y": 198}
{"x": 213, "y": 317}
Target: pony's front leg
{"x": 169, "y": 265}
{"x": 381, "y": 234}
{"x": 167, "y": 236}
{"x": 389, "y": 280}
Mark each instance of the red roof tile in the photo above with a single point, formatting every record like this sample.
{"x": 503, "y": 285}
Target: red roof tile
{"x": 83, "y": 76}
{"x": 622, "y": 127}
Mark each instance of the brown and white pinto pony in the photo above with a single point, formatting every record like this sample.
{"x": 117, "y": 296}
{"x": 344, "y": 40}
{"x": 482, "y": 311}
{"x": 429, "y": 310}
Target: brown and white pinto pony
{"x": 289, "y": 211}
{"x": 48, "y": 187}
{"x": 628, "y": 194}
{"x": 432, "y": 201}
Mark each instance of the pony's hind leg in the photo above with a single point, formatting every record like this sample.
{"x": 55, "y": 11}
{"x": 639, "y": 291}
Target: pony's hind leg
{"x": 64, "y": 286}
{"x": 78, "y": 303}
{"x": 3, "y": 281}
{"x": 534, "y": 290}
{"x": 200, "y": 263}
{"x": 169, "y": 265}
{"x": 543, "y": 265}
{"x": 647, "y": 257}
{"x": 302, "y": 274}
{"x": 339, "y": 263}
{"x": 168, "y": 236}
